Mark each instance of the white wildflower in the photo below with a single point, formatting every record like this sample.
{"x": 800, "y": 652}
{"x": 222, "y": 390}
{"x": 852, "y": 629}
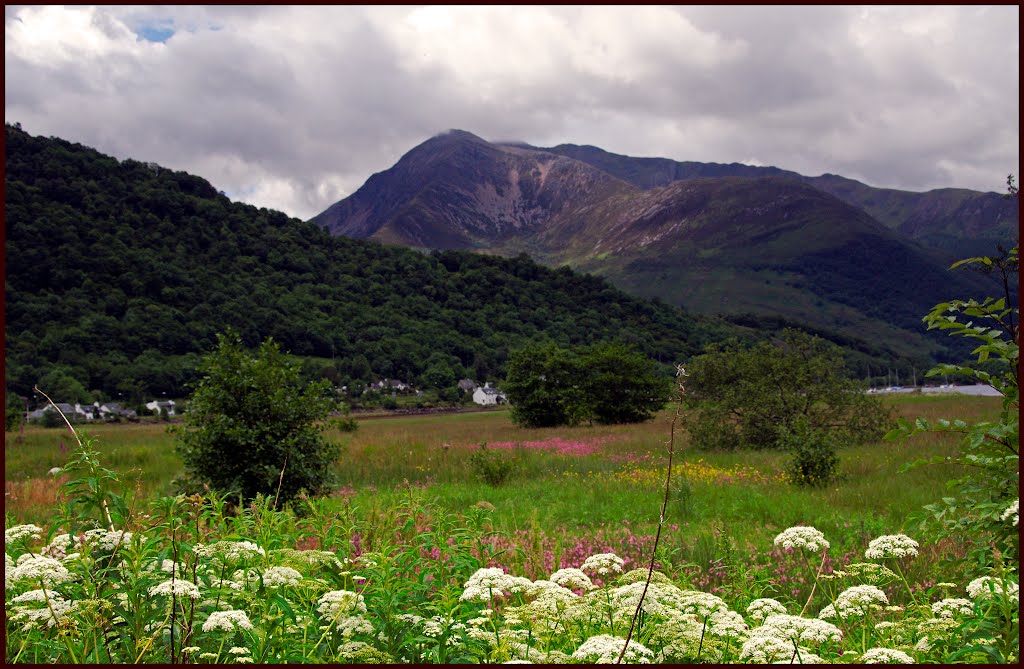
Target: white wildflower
{"x": 278, "y": 576}
{"x": 51, "y": 614}
{"x": 802, "y": 537}
{"x": 605, "y": 649}
{"x": 190, "y": 649}
{"x": 701, "y": 603}
{"x": 858, "y": 600}
{"x": 8, "y": 563}
{"x": 19, "y": 532}
{"x": 177, "y": 588}
{"x": 351, "y": 625}
{"x": 986, "y": 585}
{"x": 759, "y": 609}
{"x": 238, "y": 650}
{"x": 800, "y": 656}
{"x": 949, "y": 607}
{"x": 227, "y": 621}
{"x": 886, "y": 656}
{"x": 891, "y": 546}
{"x": 107, "y": 540}
{"x": 572, "y": 578}
{"x": 229, "y": 551}
{"x": 38, "y": 568}
{"x": 727, "y": 624}
{"x": 796, "y": 628}
{"x": 1011, "y": 512}
{"x": 762, "y": 648}
{"x": 486, "y": 583}
{"x": 923, "y": 645}
{"x": 337, "y": 602}
{"x": 243, "y": 660}
{"x": 603, "y": 563}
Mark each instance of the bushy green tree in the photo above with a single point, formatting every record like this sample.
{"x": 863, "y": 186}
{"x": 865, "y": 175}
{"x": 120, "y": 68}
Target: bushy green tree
{"x": 545, "y": 386}
{"x": 249, "y": 418}
{"x": 622, "y": 384}
{"x": 756, "y": 397}
{"x": 607, "y": 383}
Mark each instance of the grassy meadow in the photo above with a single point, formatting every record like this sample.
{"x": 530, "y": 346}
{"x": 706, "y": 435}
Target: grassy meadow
{"x": 565, "y": 486}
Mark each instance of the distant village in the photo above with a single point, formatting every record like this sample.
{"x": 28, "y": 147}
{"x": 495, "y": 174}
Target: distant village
{"x": 483, "y": 395}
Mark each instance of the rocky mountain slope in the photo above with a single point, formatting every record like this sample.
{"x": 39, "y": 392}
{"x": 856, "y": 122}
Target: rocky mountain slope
{"x": 729, "y": 239}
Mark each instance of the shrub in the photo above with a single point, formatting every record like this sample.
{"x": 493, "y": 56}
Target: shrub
{"x": 491, "y": 467}
{"x": 252, "y": 427}
{"x": 974, "y": 513}
{"x": 814, "y": 459}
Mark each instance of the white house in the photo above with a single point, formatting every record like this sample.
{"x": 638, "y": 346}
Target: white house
{"x": 161, "y": 406}
{"x": 486, "y": 395}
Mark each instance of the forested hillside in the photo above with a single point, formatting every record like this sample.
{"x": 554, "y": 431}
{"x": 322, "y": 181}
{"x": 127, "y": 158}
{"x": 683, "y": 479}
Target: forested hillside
{"x": 120, "y": 274}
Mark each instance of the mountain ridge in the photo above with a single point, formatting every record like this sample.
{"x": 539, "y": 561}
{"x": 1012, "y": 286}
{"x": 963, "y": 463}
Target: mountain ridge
{"x": 693, "y": 234}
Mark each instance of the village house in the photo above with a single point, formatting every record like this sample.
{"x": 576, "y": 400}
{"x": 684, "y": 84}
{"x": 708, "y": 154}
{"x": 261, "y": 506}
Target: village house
{"x": 161, "y": 407}
{"x": 486, "y": 395}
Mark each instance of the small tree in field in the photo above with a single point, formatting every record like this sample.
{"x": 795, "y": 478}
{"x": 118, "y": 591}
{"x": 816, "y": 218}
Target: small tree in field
{"x": 250, "y": 418}
{"x": 791, "y": 394}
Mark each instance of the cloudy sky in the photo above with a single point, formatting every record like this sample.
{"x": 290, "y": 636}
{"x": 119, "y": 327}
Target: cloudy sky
{"x": 295, "y": 107}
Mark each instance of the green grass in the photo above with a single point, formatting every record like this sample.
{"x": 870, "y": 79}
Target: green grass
{"x": 741, "y": 493}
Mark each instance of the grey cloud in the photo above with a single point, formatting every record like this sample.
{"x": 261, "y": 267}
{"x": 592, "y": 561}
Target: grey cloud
{"x": 316, "y": 99}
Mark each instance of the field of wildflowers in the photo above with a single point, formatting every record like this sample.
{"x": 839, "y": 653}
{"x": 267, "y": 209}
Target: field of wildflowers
{"x": 184, "y": 583}
{"x": 416, "y": 564}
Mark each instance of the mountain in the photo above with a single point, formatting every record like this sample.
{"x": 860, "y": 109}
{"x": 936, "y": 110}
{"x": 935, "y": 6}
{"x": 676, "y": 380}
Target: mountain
{"x": 957, "y": 221}
{"x": 119, "y": 275}
{"x": 748, "y": 242}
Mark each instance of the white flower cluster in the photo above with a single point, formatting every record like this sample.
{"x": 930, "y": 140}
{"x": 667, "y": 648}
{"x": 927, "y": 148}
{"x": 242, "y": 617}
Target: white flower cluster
{"x": 107, "y": 540}
{"x": 798, "y": 629}
{"x": 1011, "y": 512}
{"x": 985, "y": 586}
{"x": 491, "y": 582}
{"x": 759, "y": 609}
{"x": 702, "y": 603}
{"x": 858, "y": 600}
{"x": 227, "y": 621}
{"x": 275, "y": 577}
{"x": 230, "y": 551}
{"x": 605, "y": 649}
{"x": 603, "y": 563}
{"x": 727, "y": 624}
{"x": 802, "y": 536}
{"x": 886, "y": 656}
{"x": 337, "y": 602}
{"x": 352, "y": 625}
{"x": 176, "y": 588}
{"x": 19, "y": 532}
{"x": 873, "y": 573}
{"x": 891, "y": 546}
{"x": 572, "y": 578}
{"x": 950, "y": 607}
{"x": 38, "y": 569}
{"x": 54, "y": 613}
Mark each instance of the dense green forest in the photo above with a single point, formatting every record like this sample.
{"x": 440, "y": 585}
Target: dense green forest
{"x": 120, "y": 274}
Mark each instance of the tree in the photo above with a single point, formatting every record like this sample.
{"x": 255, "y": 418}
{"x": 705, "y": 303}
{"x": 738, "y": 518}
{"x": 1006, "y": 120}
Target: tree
{"x": 544, "y": 385}
{"x": 622, "y": 384}
{"x": 606, "y": 383}
{"x": 758, "y": 397}
{"x": 252, "y": 426}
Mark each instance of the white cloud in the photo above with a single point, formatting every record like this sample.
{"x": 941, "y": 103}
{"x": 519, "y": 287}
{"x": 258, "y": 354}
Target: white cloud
{"x": 295, "y": 107}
